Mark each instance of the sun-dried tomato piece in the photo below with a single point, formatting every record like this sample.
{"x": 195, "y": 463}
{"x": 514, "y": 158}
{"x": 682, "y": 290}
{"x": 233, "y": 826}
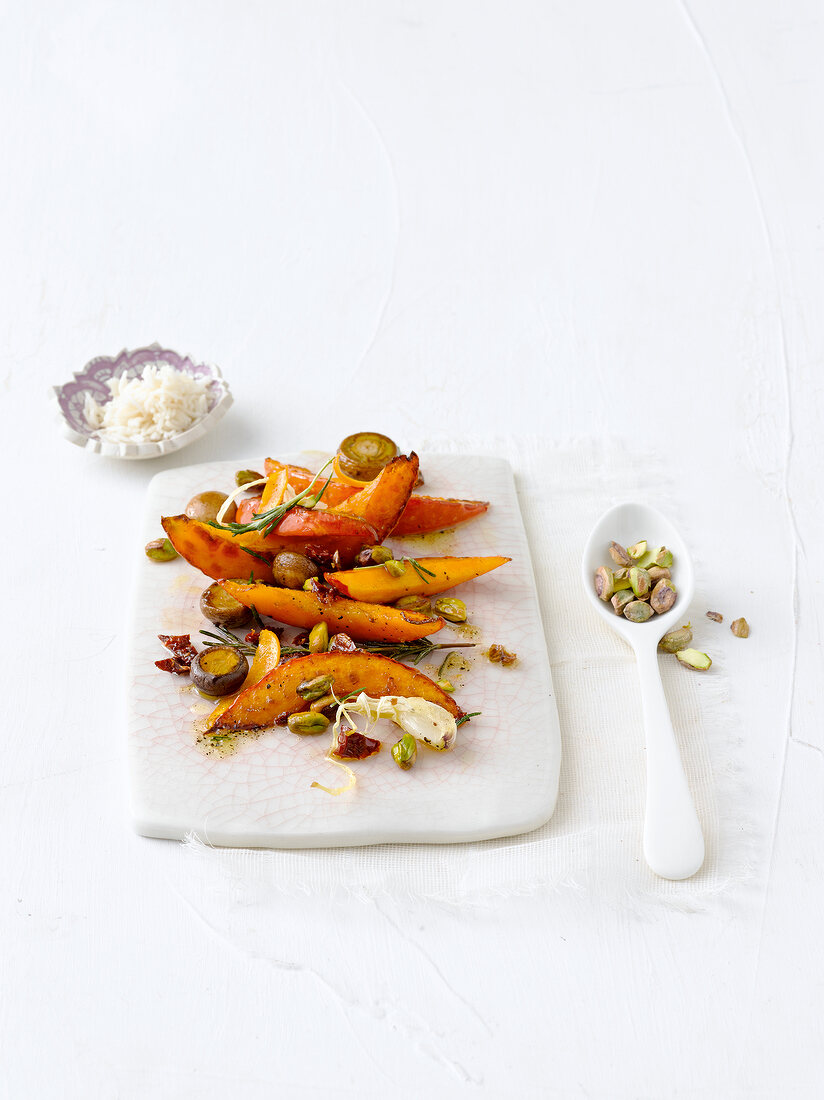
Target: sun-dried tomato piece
{"x": 355, "y": 746}
{"x": 171, "y": 664}
{"x": 180, "y": 646}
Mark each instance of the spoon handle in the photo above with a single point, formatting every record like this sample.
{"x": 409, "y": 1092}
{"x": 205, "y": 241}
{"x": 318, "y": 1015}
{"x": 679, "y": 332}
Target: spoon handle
{"x": 673, "y": 842}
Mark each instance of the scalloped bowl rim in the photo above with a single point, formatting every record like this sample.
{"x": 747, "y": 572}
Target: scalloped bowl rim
{"x": 94, "y": 444}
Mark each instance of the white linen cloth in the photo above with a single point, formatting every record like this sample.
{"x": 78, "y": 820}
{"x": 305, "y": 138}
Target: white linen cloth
{"x": 593, "y": 841}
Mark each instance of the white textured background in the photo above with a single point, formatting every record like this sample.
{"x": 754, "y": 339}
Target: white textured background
{"x": 596, "y": 224}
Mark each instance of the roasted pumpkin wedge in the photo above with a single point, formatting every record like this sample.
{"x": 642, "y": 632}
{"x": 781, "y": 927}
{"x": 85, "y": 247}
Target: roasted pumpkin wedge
{"x": 424, "y": 515}
{"x": 276, "y": 696}
{"x": 364, "y": 621}
{"x": 203, "y": 548}
{"x": 219, "y": 553}
{"x": 266, "y": 659}
{"x": 307, "y": 531}
{"x": 382, "y": 502}
{"x": 374, "y": 584}
{"x": 421, "y": 515}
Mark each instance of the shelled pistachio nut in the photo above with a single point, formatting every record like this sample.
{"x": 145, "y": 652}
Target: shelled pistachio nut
{"x": 604, "y": 583}
{"x": 243, "y": 477}
{"x": 310, "y": 690}
{"x": 160, "y": 550}
{"x": 637, "y": 611}
{"x": 619, "y": 554}
{"x": 451, "y": 609}
{"x": 693, "y": 658}
{"x": 413, "y": 603}
{"x": 662, "y": 557}
{"x": 674, "y": 640}
{"x": 307, "y": 721}
{"x": 740, "y": 628}
{"x": 405, "y": 751}
{"x": 324, "y": 702}
{"x": 380, "y": 555}
{"x": 639, "y": 580}
{"x": 662, "y": 597}
{"x": 620, "y": 600}
{"x": 658, "y": 573}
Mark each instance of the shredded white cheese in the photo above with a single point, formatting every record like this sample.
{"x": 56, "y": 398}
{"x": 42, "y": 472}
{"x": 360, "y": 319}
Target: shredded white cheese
{"x": 160, "y": 404}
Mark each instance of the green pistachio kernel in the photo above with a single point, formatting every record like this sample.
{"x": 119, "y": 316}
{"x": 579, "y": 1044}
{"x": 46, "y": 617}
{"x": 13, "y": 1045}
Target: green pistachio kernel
{"x": 381, "y": 555}
{"x": 639, "y": 580}
{"x": 637, "y": 611}
{"x": 310, "y": 690}
{"x": 675, "y": 640}
{"x": 413, "y": 603}
{"x": 692, "y": 658}
{"x": 604, "y": 583}
{"x": 307, "y": 721}
{"x": 405, "y": 751}
{"x": 454, "y": 611}
{"x": 319, "y": 638}
{"x": 243, "y": 477}
{"x": 160, "y": 550}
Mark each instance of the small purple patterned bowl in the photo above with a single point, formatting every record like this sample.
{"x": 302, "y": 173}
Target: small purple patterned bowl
{"x": 71, "y": 399}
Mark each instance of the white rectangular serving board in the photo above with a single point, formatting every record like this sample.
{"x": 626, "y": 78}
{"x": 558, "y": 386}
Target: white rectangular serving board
{"x": 501, "y": 779}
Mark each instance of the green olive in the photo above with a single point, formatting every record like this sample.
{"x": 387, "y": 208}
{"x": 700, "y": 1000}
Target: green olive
{"x": 205, "y": 507}
{"x": 219, "y": 670}
{"x": 293, "y": 570}
{"x": 221, "y": 608}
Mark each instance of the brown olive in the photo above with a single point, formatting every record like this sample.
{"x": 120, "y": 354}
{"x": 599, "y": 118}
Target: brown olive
{"x": 205, "y": 507}
{"x": 221, "y": 608}
{"x": 219, "y": 670}
{"x": 293, "y": 570}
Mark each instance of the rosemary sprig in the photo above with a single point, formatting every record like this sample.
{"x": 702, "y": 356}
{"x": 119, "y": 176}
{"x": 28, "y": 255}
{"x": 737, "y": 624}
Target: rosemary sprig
{"x": 414, "y": 652}
{"x": 466, "y": 717}
{"x": 226, "y": 637}
{"x": 260, "y": 557}
{"x": 267, "y": 521}
{"x": 421, "y": 570}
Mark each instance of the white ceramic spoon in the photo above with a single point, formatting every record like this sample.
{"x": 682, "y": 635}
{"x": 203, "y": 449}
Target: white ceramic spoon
{"x": 673, "y": 842}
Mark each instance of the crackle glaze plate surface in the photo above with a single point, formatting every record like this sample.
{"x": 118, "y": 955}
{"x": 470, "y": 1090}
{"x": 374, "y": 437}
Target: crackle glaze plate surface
{"x": 501, "y": 779}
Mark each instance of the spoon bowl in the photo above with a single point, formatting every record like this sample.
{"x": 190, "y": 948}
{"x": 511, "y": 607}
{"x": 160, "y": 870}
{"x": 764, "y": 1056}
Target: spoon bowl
{"x": 673, "y": 842}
